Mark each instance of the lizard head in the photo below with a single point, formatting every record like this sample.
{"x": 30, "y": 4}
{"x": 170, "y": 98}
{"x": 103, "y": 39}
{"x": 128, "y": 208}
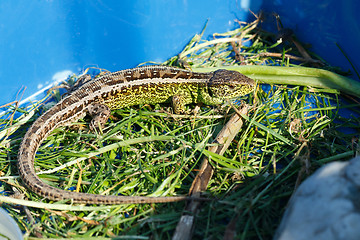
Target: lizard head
{"x": 226, "y": 84}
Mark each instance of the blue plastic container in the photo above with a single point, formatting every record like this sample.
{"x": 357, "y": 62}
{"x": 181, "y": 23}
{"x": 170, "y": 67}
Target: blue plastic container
{"x": 45, "y": 41}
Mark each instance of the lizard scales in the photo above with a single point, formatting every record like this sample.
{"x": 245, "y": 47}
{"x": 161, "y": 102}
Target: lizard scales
{"x": 149, "y": 84}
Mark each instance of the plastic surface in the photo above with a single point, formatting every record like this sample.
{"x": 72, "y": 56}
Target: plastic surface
{"x": 8, "y": 227}
{"x": 44, "y": 41}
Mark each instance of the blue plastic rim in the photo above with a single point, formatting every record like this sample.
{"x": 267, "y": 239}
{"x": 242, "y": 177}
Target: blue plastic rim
{"x": 45, "y": 41}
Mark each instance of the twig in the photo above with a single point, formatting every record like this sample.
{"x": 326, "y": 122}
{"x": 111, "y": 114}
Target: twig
{"x": 224, "y": 138}
{"x": 280, "y": 55}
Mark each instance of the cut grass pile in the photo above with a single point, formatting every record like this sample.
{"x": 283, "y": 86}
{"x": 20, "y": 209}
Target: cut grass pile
{"x": 288, "y": 133}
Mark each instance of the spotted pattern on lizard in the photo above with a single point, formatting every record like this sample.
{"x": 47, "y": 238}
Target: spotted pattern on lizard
{"x": 96, "y": 97}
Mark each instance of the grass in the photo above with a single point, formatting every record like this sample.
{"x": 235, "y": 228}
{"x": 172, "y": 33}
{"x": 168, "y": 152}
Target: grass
{"x": 288, "y": 133}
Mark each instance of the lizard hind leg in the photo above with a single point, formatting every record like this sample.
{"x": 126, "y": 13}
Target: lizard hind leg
{"x": 100, "y": 113}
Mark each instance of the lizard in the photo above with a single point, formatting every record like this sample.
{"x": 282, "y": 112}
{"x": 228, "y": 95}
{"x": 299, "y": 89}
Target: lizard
{"x": 97, "y": 97}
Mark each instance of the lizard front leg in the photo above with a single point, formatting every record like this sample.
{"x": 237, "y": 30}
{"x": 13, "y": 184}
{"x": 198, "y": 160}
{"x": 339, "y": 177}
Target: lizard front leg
{"x": 179, "y": 101}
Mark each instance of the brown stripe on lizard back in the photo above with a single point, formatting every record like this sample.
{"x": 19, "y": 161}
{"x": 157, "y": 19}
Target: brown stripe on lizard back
{"x": 115, "y": 90}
